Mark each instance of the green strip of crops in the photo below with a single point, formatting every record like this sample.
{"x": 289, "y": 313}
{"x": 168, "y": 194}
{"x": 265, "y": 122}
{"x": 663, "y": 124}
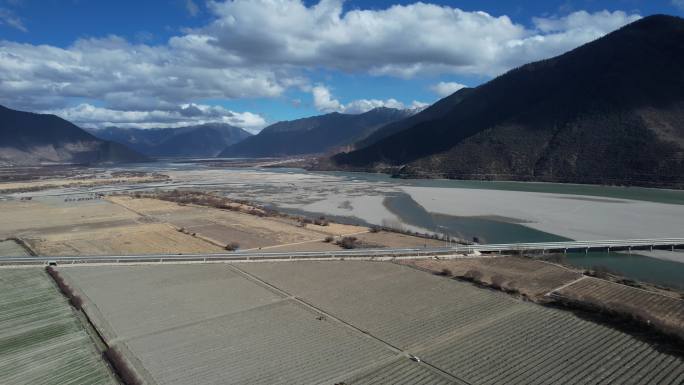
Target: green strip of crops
{"x": 41, "y": 340}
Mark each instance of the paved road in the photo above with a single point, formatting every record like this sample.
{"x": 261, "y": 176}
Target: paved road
{"x": 459, "y": 251}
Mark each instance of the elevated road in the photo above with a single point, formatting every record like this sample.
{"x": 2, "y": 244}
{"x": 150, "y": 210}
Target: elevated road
{"x": 458, "y": 251}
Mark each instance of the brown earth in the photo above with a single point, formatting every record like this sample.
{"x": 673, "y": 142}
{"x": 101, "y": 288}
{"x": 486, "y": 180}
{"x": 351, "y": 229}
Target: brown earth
{"x": 530, "y": 277}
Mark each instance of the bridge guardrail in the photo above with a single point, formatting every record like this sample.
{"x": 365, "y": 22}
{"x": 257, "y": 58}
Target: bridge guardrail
{"x": 357, "y": 253}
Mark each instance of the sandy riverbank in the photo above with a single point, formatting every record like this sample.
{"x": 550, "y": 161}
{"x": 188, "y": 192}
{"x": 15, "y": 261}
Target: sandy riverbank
{"x": 576, "y": 217}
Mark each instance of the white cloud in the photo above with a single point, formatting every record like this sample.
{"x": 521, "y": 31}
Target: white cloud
{"x": 87, "y": 115}
{"x": 362, "y": 105}
{"x": 324, "y": 102}
{"x": 444, "y": 89}
{"x": 261, "y": 48}
{"x": 7, "y": 17}
{"x": 679, "y": 4}
{"x": 402, "y": 40}
{"x": 191, "y": 7}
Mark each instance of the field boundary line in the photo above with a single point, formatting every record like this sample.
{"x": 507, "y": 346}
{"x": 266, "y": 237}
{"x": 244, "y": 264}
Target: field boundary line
{"x": 170, "y": 225}
{"x": 638, "y": 288}
{"x": 124, "y": 340}
{"x": 574, "y": 270}
{"x": 559, "y": 288}
{"x": 346, "y": 324}
{"x": 96, "y": 335}
{"x": 554, "y": 291}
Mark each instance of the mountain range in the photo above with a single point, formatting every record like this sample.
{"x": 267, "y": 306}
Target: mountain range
{"x": 611, "y": 111}
{"x": 314, "y": 135}
{"x": 205, "y": 140}
{"x": 29, "y": 139}
{"x": 608, "y": 112}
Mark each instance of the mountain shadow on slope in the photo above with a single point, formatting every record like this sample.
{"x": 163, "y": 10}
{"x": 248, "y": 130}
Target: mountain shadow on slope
{"x": 314, "y": 135}
{"x": 28, "y": 139}
{"x": 205, "y": 140}
{"x": 611, "y": 111}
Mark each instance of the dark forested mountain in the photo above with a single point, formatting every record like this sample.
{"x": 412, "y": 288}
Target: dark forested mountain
{"x": 205, "y": 140}
{"x": 27, "y": 138}
{"x": 435, "y": 111}
{"x": 317, "y": 134}
{"x": 611, "y": 111}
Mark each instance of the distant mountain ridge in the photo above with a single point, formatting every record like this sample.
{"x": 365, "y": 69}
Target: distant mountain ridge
{"x": 436, "y": 110}
{"x": 28, "y": 139}
{"x": 314, "y": 135}
{"x": 204, "y": 140}
{"x": 611, "y": 111}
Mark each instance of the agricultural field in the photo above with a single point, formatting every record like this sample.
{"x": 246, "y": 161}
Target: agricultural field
{"x": 665, "y": 311}
{"x": 139, "y": 238}
{"x": 391, "y": 239}
{"x": 349, "y": 322}
{"x": 121, "y": 225}
{"x": 207, "y": 324}
{"x": 53, "y": 214}
{"x": 402, "y": 372}
{"x": 41, "y": 340}
{"x": 12, "y": 249}
{"x": 281, "y": 343}
{"x": 528, "y": 276}
{"x": 479, "y": 336}
{"x": 169, "y": 296}
{"x": 223, "y": 226}
{"x": 84, "y": 181}
{"x": 252, "y": 232}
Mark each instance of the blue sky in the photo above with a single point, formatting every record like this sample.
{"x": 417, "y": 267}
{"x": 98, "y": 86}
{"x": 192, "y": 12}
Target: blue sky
{"x": 250, "y": 63}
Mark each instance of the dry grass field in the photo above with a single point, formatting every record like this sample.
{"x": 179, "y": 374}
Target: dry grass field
{"x": 152, "y": 238}
{"x": 665, "y": 311}
{"x": 41, "y": 340}
{"x": 53, "y": 226}
{"x": 530, "y": 277}
{"x": 390, "y": 239}
{"x": 121, "y": 225}
{"x": 223, "y": 226}
{"x": 253, "y": 232}
{"x": 52, "y": 183}
{"x": 53, "y": 214}
{"x": 349, "y": 321}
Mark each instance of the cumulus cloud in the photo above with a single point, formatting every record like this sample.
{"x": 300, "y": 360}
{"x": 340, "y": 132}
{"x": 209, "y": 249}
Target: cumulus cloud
{"x": 446, "y": 88}
{"x": 325, "y": 102}
{"x": 261, "y": 48}
{"x": 87, "y": 115}
{"x": 401, "y": 40}
{"x": 124, "y": 75}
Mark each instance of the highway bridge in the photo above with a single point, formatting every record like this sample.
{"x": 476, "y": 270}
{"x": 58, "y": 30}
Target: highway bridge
{"x": 458, "y": 251}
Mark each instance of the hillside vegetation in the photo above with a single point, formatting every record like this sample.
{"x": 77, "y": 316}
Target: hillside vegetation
{"x": 314, "y": 135}
{"x": 611, "y": 111}
{"x": 27, "y": 139}
{"x": 205, "y": 140}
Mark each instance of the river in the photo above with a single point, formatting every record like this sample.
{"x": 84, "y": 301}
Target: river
{"x": 491, "y": 212}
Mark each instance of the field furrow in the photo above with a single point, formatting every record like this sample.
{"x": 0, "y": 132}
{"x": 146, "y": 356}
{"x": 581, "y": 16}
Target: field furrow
{"x": 41, "y": 340}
